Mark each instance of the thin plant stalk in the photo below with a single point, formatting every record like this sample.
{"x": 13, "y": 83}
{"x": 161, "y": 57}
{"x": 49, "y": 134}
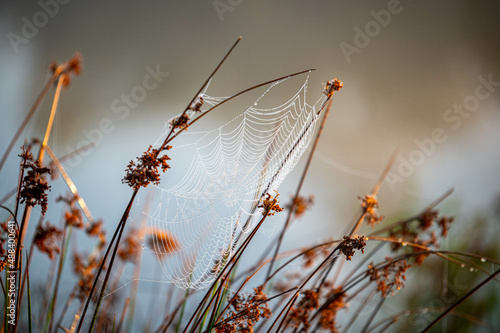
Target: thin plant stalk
{"x": 30, "y": 114}
{"x": 223, "y": 273}
{"x": 297, "y": 192}
{"x": 462, "y": 299}
{"x": 27, "y": 208}
{"x": 373, "y": 314}
{"x": 124, "y": 312}
{"x": 121, "y": 225}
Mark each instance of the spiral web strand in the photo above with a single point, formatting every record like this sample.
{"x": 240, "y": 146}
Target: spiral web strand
{"x": 215, "y": 202}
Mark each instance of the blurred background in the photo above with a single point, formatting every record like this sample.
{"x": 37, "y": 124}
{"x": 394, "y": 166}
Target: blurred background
{"x": 422, "y": 77}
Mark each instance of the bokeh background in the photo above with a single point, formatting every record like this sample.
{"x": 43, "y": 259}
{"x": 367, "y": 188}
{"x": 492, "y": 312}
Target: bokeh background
{"x": 400, "y": 83}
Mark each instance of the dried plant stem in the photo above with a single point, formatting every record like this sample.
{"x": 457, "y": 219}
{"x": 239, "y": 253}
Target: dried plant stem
{"x": 457, "y": 303}
{"x": 53, "y": 302}
{"x": 223, "y": 275}
{"x": 359, "y": 222}
{"x": 121, "y": 227}
{"x": 122, "y": 317}
{"x": 373, "y": 314}
{"x": 297, "y": 192}
{"x": 69, "y": 182}
{"x": 27, "y": 208}
{"x": 30, "y": 114}
{"x": 169, "y": 138}
{"x": 230, "y": 98}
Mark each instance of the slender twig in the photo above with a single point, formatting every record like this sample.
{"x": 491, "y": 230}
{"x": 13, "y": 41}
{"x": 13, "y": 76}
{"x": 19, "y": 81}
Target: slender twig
{"x": 297, "y": 192}
{"x": 373, "y": 314}
{"x": 31, "y": 112}
{"x": 223, "y": 273}
{"x": 71, "y": 185}
{"x": 233, "y": 97}
{"x": 122, "y": 223}
{"x": 457, "y": 303}
{"x": 27, "y": 208}
{"x": 122, "y": 317}
{"x": 121, "y": 227}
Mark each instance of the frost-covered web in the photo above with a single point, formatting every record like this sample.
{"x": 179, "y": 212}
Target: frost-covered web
{"x": 214, "y": 203}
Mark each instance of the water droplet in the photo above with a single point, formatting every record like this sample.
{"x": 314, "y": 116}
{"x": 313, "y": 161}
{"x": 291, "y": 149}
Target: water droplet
{"x": 255, "y": 103}
{"x": 404, "y": 243}
{"x": 483, "y": 259}
{"x": 462, "y": 265}
{"x": 471, "y": 269}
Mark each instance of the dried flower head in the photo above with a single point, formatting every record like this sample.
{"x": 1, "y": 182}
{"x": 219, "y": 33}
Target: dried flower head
{"x": 72, "y": 66}
{"x": 34, "y": 186}
{"x": 301, "y": 204}
{"x": 332, "y": 86}
{"x": 246, "y": 311}
{"x": 349, "y": 245}
{"x": 146, "y": 171}
{"x": 131, "y": 247}
{"x": 47, "y": 239}
{"x": 180, "y": 122}
{"x": 421, "y": 231}
{"x": 72, "y": 216}
{"x": 389, "y": 276}
{"x": 95, "y": 230}
{"x": 328, "y": 316}
{"x": 197, "y": 104}
{"x": 84, "y": 270}
{"x": 163, "y": 242}
{"x": 370, "y": 207}
{"x": 300, "y": 314}
{"x": 270, "y": 205}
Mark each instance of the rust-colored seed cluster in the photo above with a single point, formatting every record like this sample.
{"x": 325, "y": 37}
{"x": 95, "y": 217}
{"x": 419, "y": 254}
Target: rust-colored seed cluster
{"x": 72, "y": 66}
{"x": 197, "y": 104}
{"x": 328, "y": 316}
{"x": 390, "y": 276}
{"x": 95, "y": 230}
{"x": 246, "y": 311}
{"x": 180, "y": 122}
{"x": 300, "y": 314}
{"x": 163, "y": 242}
{"x": 145, "y": 171}
{"x": 73, "y": 216}
{"x": 369, "y": 204}
{"x": 348, "y": 246}
{"x": 84, "y": 272}
{"x": 47, "y": 239}
{"x": 270, "y": 205}
{"x": 34, "y": 186}
{"x": 301, "y": 204}
{"x": 332, "y": 86}
{"x": 421, "y": 233}
{"x": 131, "y": 247}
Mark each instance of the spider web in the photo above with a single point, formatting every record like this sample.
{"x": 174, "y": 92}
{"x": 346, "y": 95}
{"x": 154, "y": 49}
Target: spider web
{"x": 215, "y": 203}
